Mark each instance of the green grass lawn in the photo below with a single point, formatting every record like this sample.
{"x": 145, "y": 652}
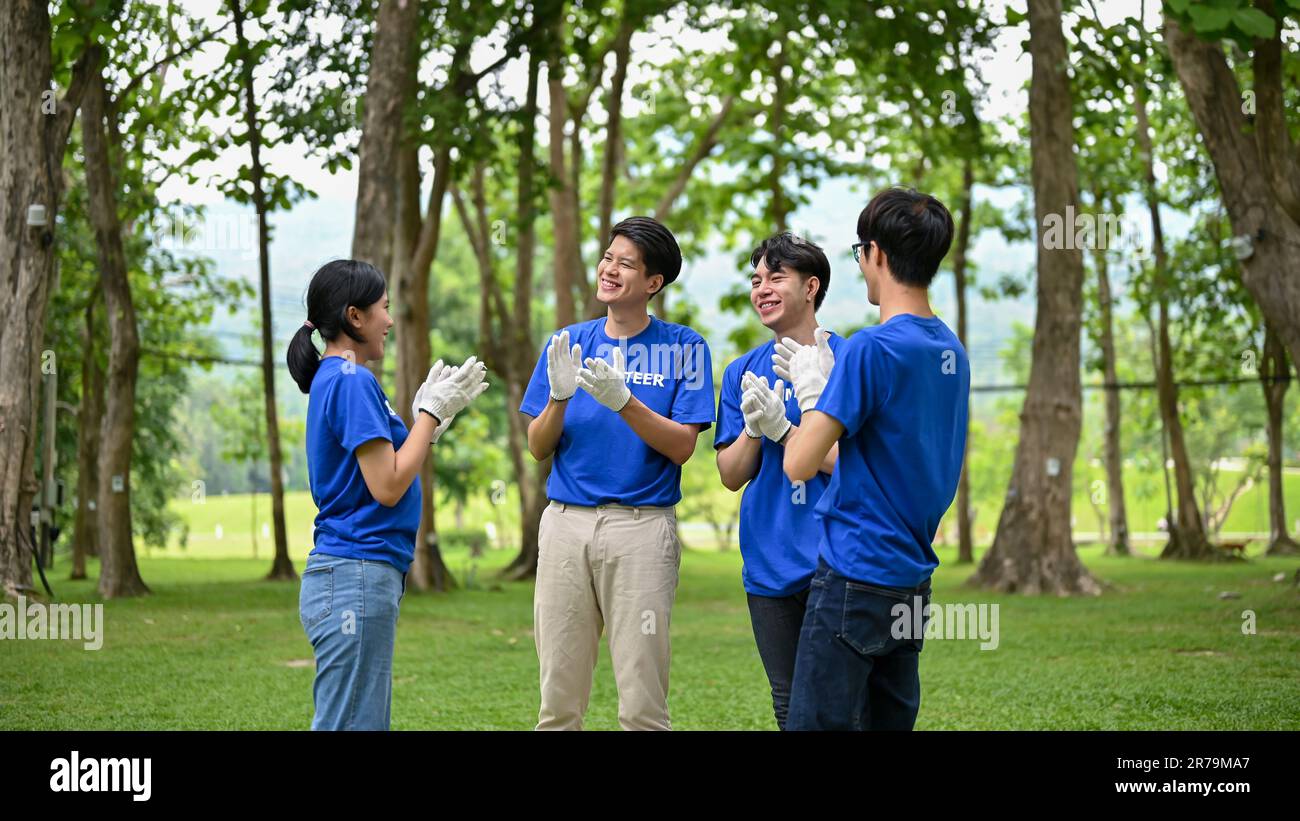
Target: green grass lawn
{"x": 215, "y": 647}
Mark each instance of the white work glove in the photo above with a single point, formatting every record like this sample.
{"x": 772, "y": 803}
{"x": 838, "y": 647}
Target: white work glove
{"x": 750, "y": 413}
{"x": 449, "y": 396}
{"x": 764, "y": 406}
{"x": 806, "y": 366}
{"x": 562, "y": 366}
{"x": 437, "y": 373}
{"x": 606, "y": 383}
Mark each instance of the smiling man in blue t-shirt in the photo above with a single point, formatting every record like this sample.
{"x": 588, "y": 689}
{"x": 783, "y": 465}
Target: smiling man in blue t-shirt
{"x": 756, "y": 412}
{"x": 894, "y": 398}
{"x": 620, "y": 423}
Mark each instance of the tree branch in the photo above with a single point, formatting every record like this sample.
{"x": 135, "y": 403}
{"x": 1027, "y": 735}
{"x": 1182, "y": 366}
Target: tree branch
{"x": 88, "y": 64}
{"x": 168, "y": 58}
{"x": 706, "y": 145}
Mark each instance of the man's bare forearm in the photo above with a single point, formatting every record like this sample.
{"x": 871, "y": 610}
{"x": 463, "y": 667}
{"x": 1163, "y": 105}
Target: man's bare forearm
{"x": 738, "y": 461}
{"x": 808, "y": 447}
{"x": 544, "y": 431}
{"x": 672, "y": 439}
{"x": 828, "y": 463}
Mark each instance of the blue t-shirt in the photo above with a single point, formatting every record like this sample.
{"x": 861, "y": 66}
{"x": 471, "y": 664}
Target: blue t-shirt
{"x": 778, "y": 535}
{"x": 345, "y": 409}
{"x": 901, "y": 390}
{"x": 600, "y": 459}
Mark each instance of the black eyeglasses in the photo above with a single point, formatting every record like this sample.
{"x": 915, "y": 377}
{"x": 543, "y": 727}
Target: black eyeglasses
{"x": 857, "y": 250}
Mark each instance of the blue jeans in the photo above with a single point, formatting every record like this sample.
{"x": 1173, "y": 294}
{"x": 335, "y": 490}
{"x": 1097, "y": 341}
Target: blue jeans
{"x": 777, "y": 621}
{"x": 851, "y": 672}
{"x": 348, "y": 607}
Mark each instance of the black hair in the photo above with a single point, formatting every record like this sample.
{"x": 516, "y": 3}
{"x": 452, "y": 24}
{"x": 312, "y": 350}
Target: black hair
{"x": 913, "y": 229}
{"x": 657, "y": 244}
{"x": 796, "y": 255}
{"x": 334, "y": 287}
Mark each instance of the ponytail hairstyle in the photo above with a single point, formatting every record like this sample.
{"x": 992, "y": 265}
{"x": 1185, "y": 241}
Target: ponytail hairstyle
{"x": 336, "y": 286}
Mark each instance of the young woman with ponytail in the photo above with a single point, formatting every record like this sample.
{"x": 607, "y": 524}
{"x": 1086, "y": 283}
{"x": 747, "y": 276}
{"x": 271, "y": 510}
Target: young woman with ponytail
{"x": 363, "y": 466}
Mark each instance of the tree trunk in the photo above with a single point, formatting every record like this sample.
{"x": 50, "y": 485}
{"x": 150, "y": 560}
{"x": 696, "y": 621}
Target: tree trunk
{"x": 505, "y": 336}
{"x": 1254, "y": 205}
{"x": 532, "y": 487}
{"x": 965, "y": 541}
{"x": 282, "y": 566}
{"x": 1033, "y": 551}
{"x": 1187, "y": 538}
{"x": 33, "y": 135}
{"x": 505, "y": 331}
{"x": 1186, "y": 529}
{"x": 388, "y": 89}
{"x": 119, "y": 575}
{"x": 85, "y": 530}
{"x": 525, "y": 564}
{"x": 1118, "y": 544}
{"x": 415, "y": 252}
{"x": 1275, "y": 378}
{"x": 564, "y": 215}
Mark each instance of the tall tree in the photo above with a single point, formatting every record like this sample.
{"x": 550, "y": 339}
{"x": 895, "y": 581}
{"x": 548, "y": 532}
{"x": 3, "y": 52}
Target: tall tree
{"x": 1256, "y": 163}
{"x": 1118, "y": 543}
{"x": 118, "y": 191}
{"x": 960, "y": 264}
{"x": 532, "y": 494}
{"x": 392, "y": 230}
{"x": 1275, "y": 378}
{"x": 388, "y": 88}
{"x": 1187, "y": 539}
{"x": 1033, "y": 551}
{"x": 247, "y": 56}
{"x": 1106, "y": 137}
{"x": 580, "y": 40}
{"x": 119, "y": 574}
{"x": 85, "y": 529}
{"x": 38, "y": 122}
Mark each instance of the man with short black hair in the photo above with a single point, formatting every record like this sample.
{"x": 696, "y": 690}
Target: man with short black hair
{"x": 757, "y": 411}
{"x": 608, "y": 554}
{"x": 894, "y": 399}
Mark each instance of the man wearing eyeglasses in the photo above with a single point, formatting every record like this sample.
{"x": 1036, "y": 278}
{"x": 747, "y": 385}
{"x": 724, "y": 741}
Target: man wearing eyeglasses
{"x": 894, "y": 399}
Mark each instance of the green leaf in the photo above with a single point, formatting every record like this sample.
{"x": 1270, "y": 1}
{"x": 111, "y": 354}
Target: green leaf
{"x": 1179, "y": 6}
{"x": 1254, "y": 22}
{"x": 1206, "y": 19}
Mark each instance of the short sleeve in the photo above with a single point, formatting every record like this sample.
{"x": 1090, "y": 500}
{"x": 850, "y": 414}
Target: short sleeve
{"x": 730, "y": 420}
{"x": 538, "y": 392}
{"x": 693, "y": 399}
{"x": 359, "y": 411}
{"x": 852, "y": 391}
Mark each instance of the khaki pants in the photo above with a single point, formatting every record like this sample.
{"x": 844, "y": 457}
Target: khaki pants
{"x": 608, "y": 567}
